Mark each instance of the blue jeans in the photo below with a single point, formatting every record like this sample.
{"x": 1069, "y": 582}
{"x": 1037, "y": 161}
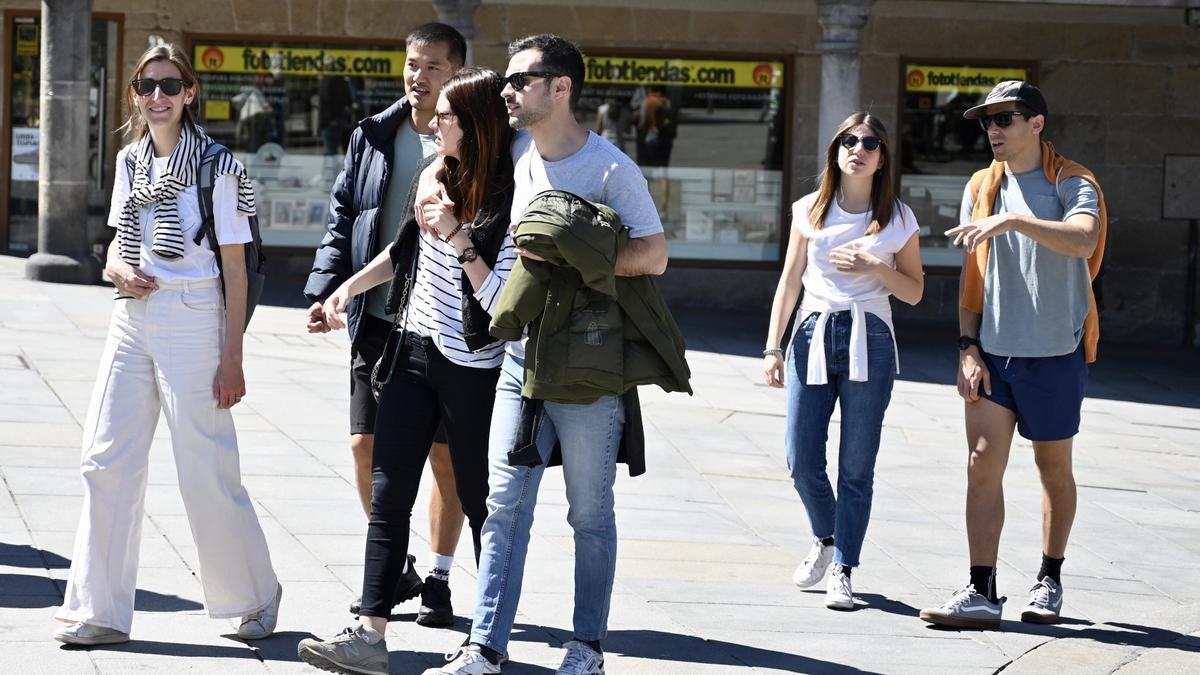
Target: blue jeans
{"x": 863, "y": 405}
{"x": 590, "y": 435}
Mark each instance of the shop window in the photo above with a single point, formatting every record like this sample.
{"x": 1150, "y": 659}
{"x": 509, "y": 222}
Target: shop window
{"x": 23, "y": 133}
{"x": 708, "y": 133}
{"x": 939, "y": 149}
{"x": 286, "y": 109}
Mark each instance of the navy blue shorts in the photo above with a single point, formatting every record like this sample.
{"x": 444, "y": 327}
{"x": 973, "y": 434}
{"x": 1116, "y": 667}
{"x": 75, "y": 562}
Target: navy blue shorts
{"x": 1045, "y": 392}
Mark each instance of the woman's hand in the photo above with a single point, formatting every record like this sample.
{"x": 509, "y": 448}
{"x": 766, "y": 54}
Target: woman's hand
{"x": 853, "y": 259}
{"x": 335, "y": 306}
{"x": 130, "y": 280}
{"x": 773, "y": 370}
{"x": 229, "y": 386}
{"x": 439, "y": 217}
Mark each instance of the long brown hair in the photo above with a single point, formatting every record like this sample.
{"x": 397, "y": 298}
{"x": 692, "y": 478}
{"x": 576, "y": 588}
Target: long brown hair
{"x": 135, "y": 124}
{"x": 474, "y": 98}
{"x": 883, "y": 191}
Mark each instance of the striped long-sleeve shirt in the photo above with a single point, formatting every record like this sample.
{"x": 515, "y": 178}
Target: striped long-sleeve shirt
{"x": 435, "y": 308}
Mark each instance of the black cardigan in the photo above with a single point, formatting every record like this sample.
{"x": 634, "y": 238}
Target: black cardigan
{"x": 487, "y": 235}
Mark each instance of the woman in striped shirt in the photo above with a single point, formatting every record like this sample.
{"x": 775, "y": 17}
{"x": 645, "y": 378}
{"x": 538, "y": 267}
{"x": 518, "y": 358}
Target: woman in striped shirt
{"x": 448, "y": 364}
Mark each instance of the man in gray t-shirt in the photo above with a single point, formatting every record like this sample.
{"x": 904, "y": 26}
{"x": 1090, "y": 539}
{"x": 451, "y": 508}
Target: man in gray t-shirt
{"x": 551, "y": 150}
{"x": 1022, "y": 358}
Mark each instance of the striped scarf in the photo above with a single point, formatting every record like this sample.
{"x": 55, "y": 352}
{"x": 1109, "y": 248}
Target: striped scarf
{"x": 182, "y": 171}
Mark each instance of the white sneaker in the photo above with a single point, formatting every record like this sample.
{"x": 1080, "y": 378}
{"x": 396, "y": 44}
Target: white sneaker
{"x": 840, "y": 593}
{"x": 581, "y": 659}
{"x": 465, "y": 661}
{"x": 966, "y": 609}
{"x": 1045, "y": 602}
{"x": 80, "y": 633}
{"x": 810, "y": 572}
{"x": 261, "y": 624}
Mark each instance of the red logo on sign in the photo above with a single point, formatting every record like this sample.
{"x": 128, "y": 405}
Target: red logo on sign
{"x": 916, "y": 79}
{"x": 763, "y": 75}
{"x": 212, "y": 58}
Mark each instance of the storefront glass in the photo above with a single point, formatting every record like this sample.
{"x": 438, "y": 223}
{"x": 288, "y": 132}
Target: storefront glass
{"x": 24, "y": 132}
{"x": 708, "y": 133}
{"x": 939, "y": 149}
{"x": 287, "y": 110}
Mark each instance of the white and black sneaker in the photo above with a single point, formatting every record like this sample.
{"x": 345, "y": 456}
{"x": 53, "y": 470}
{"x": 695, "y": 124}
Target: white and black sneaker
{"x": 810, "y": 572}
{"x": 1045, "y": 602}
{"x": 581, "y": 659}
{"x": 466, "y": 660}
{"x": 966, "y": 609}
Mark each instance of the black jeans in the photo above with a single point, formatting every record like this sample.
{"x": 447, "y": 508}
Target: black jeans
{"x": 426, "y": 389}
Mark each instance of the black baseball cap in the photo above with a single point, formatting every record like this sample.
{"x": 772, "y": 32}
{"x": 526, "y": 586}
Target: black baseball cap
{"x": 1011, "y": 90}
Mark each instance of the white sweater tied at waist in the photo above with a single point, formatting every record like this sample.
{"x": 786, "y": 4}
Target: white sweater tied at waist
{"x": 879, "y": 306}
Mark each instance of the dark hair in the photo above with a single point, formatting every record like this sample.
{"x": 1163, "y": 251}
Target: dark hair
{"x": 135, "y": 124}
{"x": 883, "y": 191}
{"x": 1030, "y": 113}
{"x": 559, "y": 55}
{"x": 474, "y": 98}
{"x": 430, "y": 33}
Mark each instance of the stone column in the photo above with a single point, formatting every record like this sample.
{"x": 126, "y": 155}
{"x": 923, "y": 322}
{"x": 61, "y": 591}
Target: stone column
{"x": 842, "y": 22}
{"x": 460, "y": 14}
{"x": 62, "y": 254}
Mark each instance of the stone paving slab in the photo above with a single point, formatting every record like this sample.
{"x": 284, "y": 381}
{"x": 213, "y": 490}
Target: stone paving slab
{"x": 708, "y": 537}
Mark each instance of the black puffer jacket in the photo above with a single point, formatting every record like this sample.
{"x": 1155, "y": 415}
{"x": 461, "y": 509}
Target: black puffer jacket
{"x": 354, "y": 206}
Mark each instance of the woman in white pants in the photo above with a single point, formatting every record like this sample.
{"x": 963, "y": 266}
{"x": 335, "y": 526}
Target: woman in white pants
{"x": 175, "y": 344}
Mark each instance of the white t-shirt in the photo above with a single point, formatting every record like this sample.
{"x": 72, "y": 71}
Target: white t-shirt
{"x": 842, "y": 229}
{"x": 598, "y": 172}
{"x": 198, "y": 261}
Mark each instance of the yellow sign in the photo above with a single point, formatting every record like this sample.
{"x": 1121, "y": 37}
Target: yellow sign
{"x": 216, "y": 110}
{"x": 957, "y": 79}
{"x": 298, "y": 61}
{"x": 28, "y": 40}
{"x": 683, "y": 72}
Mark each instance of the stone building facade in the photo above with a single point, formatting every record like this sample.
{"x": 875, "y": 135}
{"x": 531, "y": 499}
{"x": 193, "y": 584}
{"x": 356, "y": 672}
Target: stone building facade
{"x": 1122, "y": 80}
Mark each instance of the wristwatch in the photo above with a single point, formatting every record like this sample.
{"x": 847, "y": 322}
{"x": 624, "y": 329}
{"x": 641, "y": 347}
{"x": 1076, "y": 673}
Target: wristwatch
{"x": 468, "y": 255}
{"x": 966, "y": 341}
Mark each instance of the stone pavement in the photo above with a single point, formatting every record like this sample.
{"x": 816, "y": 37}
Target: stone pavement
{"x": 709, "y": 537}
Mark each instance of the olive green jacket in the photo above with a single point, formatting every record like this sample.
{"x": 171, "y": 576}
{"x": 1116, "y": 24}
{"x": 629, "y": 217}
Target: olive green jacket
{"x": 591, "y": 333}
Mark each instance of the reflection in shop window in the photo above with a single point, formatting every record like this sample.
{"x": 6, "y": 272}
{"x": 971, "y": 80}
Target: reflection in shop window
{"x": 708, "y": 134}
{"x": 287, "y": 110}
{"x": 939, "y": 149}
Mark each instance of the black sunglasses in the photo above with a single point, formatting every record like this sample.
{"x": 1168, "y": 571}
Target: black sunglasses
{"x": 870, "y": 143}
{"x": 170, "y": 86}
{"x": 518, "y": 81}
{"x": 1003, "y": 120}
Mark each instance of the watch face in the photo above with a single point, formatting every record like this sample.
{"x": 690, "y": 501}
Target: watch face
{"x": 468, "y": 255}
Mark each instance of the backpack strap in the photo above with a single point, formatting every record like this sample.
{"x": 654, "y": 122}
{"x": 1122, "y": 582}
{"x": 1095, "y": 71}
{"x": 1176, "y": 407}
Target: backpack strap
{"x": 208, "y": 224}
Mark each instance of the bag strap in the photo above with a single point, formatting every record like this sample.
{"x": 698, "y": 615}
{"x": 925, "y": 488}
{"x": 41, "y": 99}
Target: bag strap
{"x": 208, "y": 221}
{"x": 398, "y": 321}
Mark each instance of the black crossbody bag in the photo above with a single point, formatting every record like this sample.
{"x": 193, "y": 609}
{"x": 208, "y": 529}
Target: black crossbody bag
{"x": 393, "y": 347}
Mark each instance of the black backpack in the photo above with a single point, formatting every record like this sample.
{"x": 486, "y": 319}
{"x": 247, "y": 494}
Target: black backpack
{"x": 255, "y": 260}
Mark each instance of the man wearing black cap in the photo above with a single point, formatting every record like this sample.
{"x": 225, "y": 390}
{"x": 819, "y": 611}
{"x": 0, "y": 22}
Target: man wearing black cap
{"x": 1032, "y": 228}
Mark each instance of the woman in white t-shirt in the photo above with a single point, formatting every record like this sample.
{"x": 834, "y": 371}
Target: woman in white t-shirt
{"x": 174, "y": 345}
{"x": 853, "y": 244}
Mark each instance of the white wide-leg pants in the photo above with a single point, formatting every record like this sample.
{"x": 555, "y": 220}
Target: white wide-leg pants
{"x": 163, "y": 352}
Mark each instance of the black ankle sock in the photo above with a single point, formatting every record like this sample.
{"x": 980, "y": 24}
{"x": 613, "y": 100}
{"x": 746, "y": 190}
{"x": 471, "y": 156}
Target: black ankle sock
{"x": 594, "y": 644}
{"x": 846, "y": 569}
{"x": 492, "y": 656}
{"x": 1051, "y": 567}
{"x": 983, "y": 578}
{"x": 827, "y": 541}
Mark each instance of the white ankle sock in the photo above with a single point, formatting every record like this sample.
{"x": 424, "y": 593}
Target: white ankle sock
{"x": 439, "y": 565}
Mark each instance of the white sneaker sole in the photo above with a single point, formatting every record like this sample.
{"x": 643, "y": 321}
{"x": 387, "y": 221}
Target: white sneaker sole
{"x": 116, "y": 639}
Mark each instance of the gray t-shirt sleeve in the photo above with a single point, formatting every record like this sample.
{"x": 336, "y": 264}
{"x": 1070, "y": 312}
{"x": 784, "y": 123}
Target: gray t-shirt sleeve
{"x": 627, "y": 193}
{"x": 968, "y": 205}
{"x": 1078, "y": 195}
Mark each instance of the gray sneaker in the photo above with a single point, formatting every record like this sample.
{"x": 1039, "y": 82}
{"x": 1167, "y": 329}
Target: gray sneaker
{"x": 966, "y": 609}
{"x": 346, "y": 652}
{"x": 1045, "y": 602}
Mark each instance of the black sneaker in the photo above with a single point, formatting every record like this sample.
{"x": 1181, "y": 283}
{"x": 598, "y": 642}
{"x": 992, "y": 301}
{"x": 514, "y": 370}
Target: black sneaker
{"x": 409, "y": 587}
{"x": 435, "y": 604}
